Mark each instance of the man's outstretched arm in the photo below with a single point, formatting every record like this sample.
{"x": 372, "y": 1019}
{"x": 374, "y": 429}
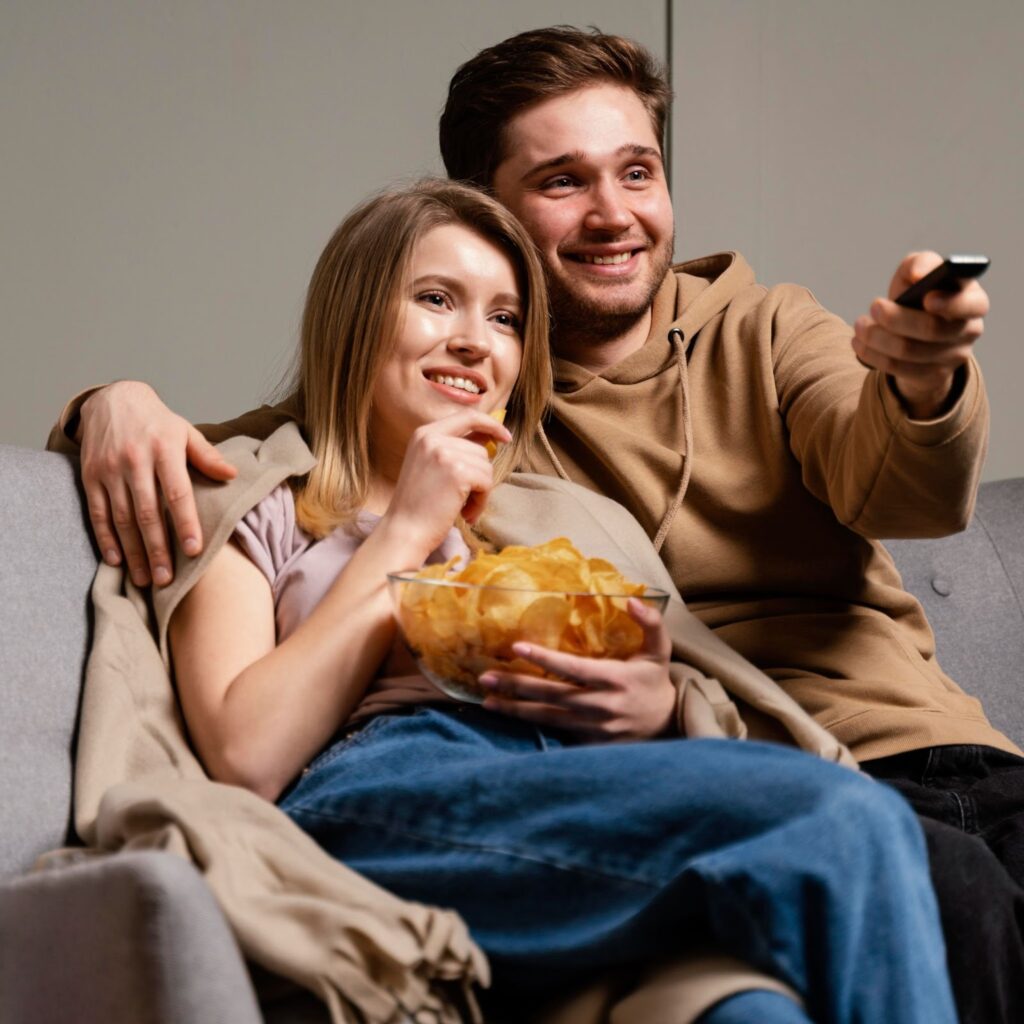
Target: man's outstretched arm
{"x": 135, "y": 454}
{"x": 898, "y": 452}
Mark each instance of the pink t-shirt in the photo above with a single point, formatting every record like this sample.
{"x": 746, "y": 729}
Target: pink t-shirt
{"x": 300, "y": 571}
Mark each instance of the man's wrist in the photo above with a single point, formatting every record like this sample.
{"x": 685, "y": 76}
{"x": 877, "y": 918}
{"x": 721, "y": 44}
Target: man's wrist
{"x": 931, "y": 408}
{"x": 70, "y": 422}
{"x": 73, "y": 427}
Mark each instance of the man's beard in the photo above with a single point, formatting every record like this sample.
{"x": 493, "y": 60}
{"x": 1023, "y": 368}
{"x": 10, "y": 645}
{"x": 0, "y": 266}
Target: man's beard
{"x": 588, "y": 316}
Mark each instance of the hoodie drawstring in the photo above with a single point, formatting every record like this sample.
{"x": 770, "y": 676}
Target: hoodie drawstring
{"x": 675, "y": 337}
{"x": 546, "y": 444}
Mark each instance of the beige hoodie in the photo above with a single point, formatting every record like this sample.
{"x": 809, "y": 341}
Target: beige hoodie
{"x": 764, "y": 460}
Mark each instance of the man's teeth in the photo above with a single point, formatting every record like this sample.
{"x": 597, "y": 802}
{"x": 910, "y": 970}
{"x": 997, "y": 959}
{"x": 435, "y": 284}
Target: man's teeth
{"x": 604, "y": 261}
{"x": 455, "y": 382}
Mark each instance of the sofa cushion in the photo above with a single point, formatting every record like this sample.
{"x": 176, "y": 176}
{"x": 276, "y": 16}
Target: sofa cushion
{"x": 132, "y": 937}
{"x": 971, "y": 586}
{"x": 46, "y": 567}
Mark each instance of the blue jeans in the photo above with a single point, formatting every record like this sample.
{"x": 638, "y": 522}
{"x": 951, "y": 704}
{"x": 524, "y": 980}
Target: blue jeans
{"x": 757, "y": 1007}
{"x": 567, "y": 859}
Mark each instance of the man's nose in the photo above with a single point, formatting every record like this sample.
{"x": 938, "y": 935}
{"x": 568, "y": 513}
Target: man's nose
{"x": 609, "y": 210}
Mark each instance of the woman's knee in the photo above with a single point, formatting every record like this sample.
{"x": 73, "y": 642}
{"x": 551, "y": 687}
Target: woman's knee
{"x": 758, "y": 1005}
{"x": 862, "y": 805}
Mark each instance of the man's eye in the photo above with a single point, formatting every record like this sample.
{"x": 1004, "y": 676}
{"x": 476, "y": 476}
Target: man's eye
{"x": 563, "y": 181}
{"x": 637, "y": 174}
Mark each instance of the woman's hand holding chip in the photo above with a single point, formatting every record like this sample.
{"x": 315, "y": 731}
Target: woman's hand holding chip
{"x": 600, "y": 699}
{"x": 446, "y": 472}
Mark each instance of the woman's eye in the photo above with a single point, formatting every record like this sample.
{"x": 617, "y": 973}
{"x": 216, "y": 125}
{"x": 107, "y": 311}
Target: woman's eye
{"x": 433, "y": 298}
{"x": 507, "y": 320}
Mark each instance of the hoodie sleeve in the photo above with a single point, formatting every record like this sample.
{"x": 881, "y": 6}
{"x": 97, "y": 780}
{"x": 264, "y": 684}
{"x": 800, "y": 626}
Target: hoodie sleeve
{"x": 259, "y": 423}
{"x": 882, "y": 473}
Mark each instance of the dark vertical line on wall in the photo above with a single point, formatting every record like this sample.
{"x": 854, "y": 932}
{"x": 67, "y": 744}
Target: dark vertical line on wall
{"x": 669, "y": 155}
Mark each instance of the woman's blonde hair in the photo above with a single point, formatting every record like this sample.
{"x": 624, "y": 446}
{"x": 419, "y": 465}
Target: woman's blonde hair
{"x": 351, "y": 321}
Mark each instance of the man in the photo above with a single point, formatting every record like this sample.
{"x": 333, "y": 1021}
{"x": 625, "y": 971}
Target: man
{"x": 760, "y": 446}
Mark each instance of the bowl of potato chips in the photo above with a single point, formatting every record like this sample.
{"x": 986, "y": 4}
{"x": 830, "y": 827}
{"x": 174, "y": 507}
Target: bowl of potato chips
{"x": 459, "y": 623}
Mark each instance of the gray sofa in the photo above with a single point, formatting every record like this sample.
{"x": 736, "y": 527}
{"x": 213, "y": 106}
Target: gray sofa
{"x": 138, "y": 937}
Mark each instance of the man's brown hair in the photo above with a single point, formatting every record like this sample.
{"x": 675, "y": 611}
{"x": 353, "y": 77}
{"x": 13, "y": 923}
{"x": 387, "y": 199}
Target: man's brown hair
{"x": 487, "y": 92}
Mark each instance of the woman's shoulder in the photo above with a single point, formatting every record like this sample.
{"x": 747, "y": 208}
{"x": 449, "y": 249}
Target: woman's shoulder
{"x": 269, "y": 533}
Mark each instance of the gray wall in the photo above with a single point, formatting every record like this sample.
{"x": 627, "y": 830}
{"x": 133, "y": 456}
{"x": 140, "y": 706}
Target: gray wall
{"x": 170, "y": 172}
{"x": 826, "y": 140}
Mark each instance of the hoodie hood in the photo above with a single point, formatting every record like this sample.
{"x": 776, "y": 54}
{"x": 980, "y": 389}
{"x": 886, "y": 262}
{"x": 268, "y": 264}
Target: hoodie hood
{"x": 692, "y": 294}
{"x": 704, "y": 288}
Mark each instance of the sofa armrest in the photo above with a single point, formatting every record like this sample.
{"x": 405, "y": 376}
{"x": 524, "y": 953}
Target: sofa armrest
{"x": 135, "y": 936}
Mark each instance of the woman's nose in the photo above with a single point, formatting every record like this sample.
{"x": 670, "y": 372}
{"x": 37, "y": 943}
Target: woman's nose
{"x": 470, "y": 336}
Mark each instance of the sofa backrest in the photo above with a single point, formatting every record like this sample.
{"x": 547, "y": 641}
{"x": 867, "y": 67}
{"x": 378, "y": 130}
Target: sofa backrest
{"x": 47, "y": 563}
{"x": 971, "y": 586}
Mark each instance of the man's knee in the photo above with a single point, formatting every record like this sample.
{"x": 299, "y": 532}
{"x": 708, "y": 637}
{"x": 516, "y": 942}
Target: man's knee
{"x": 968, "y": 877}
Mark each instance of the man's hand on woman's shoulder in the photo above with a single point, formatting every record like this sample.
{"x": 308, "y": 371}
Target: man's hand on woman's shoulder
{"x": 135, "y": 457}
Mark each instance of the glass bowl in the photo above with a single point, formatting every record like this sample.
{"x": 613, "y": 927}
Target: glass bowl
{"x": 457, "y": 631}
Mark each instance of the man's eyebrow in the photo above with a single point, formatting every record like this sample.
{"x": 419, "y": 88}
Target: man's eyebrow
{"x": 635, "y": 149}
{"x": 578, "y": 156}
{"x": 555, "y": 162}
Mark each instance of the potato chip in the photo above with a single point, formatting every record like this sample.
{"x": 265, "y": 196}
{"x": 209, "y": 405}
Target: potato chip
{"x": 492, "y": 446}
{"x": 460, "y": 622}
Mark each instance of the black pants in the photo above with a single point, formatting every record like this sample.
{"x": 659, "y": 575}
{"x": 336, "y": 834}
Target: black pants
{"x": 971, "y": 804}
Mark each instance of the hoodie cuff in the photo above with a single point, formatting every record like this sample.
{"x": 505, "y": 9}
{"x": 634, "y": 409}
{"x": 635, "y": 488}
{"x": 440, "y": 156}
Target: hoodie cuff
{"x": 930, "y": 433}
{"x": 62, "y": 434}
{"x": 703, "y": 707}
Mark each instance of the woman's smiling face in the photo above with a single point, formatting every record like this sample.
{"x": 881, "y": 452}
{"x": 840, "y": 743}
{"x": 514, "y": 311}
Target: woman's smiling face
{"x": 459, "y": 342}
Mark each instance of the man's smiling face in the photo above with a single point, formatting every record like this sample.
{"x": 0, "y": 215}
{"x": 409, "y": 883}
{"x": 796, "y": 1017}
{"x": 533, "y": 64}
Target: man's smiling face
{"x": 584, "y": 175}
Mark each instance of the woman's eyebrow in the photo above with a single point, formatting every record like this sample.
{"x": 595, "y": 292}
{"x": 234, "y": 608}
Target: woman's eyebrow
{"x": 455, "y": 285}
{"x": 440, "y": 279}
{"x": 508, "y": 299}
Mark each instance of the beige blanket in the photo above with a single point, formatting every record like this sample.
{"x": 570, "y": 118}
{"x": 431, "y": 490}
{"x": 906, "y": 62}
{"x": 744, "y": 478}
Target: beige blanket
{"x": 295, "y": 910}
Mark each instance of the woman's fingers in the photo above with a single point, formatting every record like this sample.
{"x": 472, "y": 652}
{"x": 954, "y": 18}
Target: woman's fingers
{"x": 657, "y": 644}
{"x": 470, "y": 423}
{"x": 520, "y": 686}
{"x": 443, "y": 475}
{"x": 567, "y": 703}
{"x": 599, "y": 698}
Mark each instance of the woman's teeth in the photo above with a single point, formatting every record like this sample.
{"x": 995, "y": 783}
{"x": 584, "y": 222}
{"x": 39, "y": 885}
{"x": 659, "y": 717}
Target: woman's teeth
{"x": 455, "y": 382}
{"x": 603, "y": 261}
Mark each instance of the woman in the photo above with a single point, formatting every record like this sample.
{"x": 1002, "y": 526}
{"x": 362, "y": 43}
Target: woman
{"x": 425, "y": 314}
